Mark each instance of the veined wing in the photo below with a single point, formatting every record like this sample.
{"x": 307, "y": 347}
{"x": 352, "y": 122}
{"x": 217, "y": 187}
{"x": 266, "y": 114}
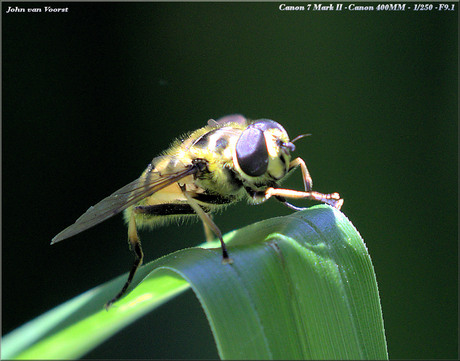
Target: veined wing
{"x": 130, "y": 194}
{"x": 233, "y": 118}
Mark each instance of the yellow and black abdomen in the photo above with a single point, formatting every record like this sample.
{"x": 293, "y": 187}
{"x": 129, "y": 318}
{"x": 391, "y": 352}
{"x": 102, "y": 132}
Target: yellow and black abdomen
{"x": 214, "y": 186}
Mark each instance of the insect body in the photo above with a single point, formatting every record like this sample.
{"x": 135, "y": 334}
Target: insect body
{"x": 224, "y": 162}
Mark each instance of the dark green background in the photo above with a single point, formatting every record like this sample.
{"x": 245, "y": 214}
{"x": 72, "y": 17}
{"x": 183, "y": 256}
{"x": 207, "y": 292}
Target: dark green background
{"x": 90, "y": 96}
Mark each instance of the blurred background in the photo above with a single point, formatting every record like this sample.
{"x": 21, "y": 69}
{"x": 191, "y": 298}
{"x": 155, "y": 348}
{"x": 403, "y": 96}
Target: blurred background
{"x": 92, "y": 95}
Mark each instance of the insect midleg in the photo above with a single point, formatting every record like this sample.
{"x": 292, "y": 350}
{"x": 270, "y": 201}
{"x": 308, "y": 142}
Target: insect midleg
{"x": 135, "y": 245}
{"x": 333, "y": 199}
{"x": 175, "y": 209}
{"x": 307, "y": 181}
{"x": 208, "y": 231}
{"x": 167, "y": 209}
{"x": 208, "y": 222}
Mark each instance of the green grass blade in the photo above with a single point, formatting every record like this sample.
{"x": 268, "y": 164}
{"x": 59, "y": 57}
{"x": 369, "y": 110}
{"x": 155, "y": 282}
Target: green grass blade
{"x": 76, "y": 327}
{"x": 301, "y": 287}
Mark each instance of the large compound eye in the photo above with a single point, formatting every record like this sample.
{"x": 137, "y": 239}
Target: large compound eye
{"x": 252, "y": 153}
{"x": 266, "y": 124}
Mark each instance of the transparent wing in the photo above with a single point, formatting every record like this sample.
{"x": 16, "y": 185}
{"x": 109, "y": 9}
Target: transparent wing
{"x": 233, "y": 118}
{"x": 123, "y": 198}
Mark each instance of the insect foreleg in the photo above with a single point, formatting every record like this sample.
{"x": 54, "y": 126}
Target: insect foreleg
{"x": 208, "y": 222}
{"x": 307, "y": 181}
{"x": 136, "y": 248}
{"x": 333, "y": 199}
{"x": 289, "y": 205}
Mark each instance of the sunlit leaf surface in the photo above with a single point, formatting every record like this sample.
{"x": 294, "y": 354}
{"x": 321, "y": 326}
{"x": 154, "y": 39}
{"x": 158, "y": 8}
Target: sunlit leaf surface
{"x": 301, "y": 287}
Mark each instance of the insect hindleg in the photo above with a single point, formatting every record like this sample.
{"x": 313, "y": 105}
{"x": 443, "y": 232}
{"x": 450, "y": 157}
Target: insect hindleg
{"x": 333, "y": 199}
{"x": 208, "y": 222}
{"x": 136, "y": 248}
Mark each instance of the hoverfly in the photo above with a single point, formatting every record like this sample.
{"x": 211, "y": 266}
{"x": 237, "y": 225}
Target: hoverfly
{"x": 224, "y": 162}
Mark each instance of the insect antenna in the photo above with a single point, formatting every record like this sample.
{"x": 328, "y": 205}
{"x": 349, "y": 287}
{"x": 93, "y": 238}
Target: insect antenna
{"x": 291, "y": 145}
{"x": 299, "y": 137}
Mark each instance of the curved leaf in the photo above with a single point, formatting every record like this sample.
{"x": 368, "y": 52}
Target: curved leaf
{"x": 301, "y": 287}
